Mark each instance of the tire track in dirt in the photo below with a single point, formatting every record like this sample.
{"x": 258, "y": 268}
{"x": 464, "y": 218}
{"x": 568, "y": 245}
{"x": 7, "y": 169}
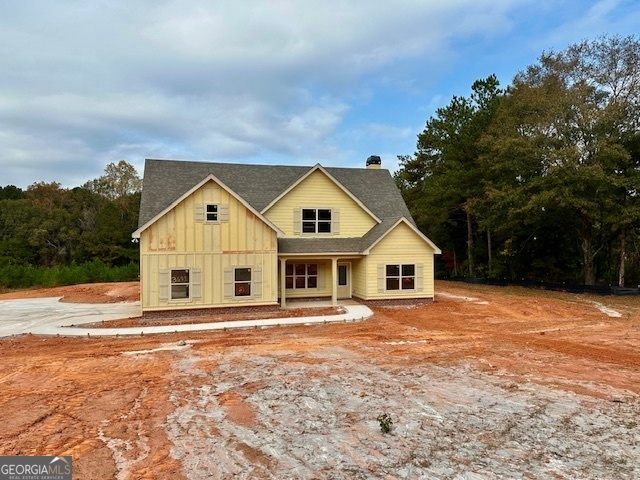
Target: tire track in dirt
{"x": 596, "y": 353}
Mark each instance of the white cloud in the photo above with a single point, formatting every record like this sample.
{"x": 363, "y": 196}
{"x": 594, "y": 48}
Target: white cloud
{"x": 86, "y": 83}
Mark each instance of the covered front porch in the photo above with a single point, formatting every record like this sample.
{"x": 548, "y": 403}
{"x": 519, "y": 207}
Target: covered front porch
{"x": 342, "y": 302}
{"x": 323, "y": 278}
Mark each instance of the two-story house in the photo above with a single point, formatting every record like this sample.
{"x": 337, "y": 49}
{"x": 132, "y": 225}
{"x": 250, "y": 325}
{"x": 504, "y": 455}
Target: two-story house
{"x": 218, "y": 235}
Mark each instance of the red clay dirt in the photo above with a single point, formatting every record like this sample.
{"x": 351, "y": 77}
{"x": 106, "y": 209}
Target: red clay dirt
{"x": 88, "y": 293}
{"x": 496, "y": 382}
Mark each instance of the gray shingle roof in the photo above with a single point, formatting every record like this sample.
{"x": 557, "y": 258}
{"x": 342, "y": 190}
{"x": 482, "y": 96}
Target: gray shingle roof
{"x": 320, "y": 245}
{"x": 167, "y": 180}
{"x": 376, "y": 189}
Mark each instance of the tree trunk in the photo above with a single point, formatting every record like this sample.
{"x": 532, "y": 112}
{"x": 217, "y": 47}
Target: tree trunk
{"x": 489, "y": 251}
{"x": 623, "y": 254}
{"x": 455, "y": 263}
{"x": 587, "y": 248}
{"x": 470, "y": 245}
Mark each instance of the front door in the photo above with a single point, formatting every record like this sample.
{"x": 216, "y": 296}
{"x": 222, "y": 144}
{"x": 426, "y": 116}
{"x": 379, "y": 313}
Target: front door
{"x": 344, "y": 280}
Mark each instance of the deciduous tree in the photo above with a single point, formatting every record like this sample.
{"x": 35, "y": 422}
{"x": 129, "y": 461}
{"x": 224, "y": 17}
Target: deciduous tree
{"x": 560, "y": 140}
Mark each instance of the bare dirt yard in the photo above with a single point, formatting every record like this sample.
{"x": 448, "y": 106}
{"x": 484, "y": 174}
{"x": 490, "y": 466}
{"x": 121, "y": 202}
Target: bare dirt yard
{"x": 486, "y": 383}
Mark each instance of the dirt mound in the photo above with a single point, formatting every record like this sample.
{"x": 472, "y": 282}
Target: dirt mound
{"x": 87, "y": 293}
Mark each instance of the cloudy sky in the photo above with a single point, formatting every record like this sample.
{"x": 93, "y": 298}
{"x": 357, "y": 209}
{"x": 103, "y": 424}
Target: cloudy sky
{"x": 84, "y": 83}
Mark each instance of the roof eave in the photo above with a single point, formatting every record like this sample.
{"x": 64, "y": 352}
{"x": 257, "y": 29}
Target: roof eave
{"x": 320, "y": 254}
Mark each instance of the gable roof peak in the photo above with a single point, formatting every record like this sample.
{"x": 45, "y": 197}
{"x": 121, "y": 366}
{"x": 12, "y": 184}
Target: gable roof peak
{"x": 209, "y": 178}
{"x": 377, "y": 233}
{"x": 319, "y": 167}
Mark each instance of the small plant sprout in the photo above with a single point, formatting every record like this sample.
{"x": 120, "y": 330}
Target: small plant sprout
{"x": 385, "y": 422}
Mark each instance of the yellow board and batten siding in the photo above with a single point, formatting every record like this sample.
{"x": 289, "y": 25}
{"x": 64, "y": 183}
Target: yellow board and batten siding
{"x": 401, "y": 246}
{"x": 319, "y": 191}
{"x": 177, "y": 240}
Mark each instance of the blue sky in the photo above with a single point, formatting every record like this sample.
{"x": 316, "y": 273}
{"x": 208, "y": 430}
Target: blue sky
{"x": 245, "y": 81}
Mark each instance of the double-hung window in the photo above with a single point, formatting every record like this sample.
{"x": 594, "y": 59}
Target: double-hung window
{"x": 242, "y": 282}
{"x": 316, "y": 220}
{"x": 400, "y": 277}
{"x": 180, "y": 284}
{"x": 215, "y": 213}
{"x": 211, "y": 212}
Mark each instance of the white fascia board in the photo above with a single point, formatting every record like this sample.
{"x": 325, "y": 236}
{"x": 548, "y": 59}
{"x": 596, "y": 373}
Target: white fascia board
{"x": 323, "y": 254}
{"x": 208, "y": 178}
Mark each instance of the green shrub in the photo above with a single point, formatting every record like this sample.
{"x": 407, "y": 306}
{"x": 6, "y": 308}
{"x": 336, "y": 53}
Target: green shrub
{"x": 26, "y": 276}
{"x": 385, "y": 422}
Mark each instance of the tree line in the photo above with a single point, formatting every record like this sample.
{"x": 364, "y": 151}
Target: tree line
{"x": 50, "y": 235}
{"x": 539, "y": 180}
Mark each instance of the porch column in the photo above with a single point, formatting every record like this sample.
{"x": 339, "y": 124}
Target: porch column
{"x": 334, "y": 281}
{"x": 283, "y": 282}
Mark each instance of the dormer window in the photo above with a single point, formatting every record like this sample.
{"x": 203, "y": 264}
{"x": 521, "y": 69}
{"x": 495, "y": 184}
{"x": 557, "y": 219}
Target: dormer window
{"x": 316, "y": 220}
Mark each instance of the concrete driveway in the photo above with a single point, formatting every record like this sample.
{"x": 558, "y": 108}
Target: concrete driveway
{"x": 49, "y": 316}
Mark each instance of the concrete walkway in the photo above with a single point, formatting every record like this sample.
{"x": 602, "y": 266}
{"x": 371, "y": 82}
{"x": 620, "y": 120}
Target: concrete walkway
{"x": 49, "y": 316}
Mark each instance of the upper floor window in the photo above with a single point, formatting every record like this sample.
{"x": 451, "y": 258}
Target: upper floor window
{"x": 211, "y": 212}
{"x": 316, "y": 220}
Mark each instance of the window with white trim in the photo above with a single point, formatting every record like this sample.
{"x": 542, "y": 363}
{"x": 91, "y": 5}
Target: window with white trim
{"x": 343, "y": 275}
{"x": 400, "y": 277}
{"x": 211, "y": 212}
{"x": 301, "y": 275}
{"x": 316, "y": 220}
{"x": 242, "y": 282}
{"x": 180, "y": 284}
